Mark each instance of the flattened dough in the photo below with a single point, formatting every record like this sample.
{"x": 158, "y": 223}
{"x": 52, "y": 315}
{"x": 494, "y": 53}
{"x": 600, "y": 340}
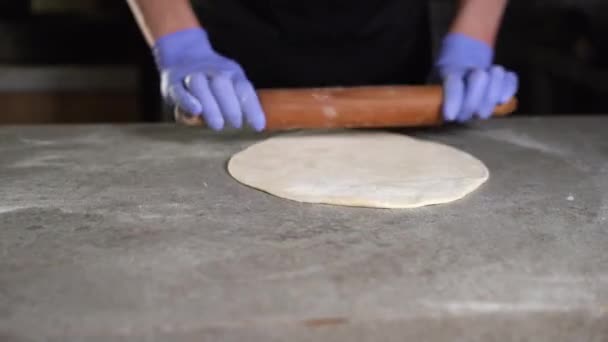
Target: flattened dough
{"x": 358, "y": 168}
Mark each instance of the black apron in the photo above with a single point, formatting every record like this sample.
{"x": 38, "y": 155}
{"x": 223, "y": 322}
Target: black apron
{"x": 313, "y": 43}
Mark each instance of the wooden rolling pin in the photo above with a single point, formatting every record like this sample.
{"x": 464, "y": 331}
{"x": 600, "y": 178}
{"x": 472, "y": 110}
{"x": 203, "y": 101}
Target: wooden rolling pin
{"x": 357, "y": 107}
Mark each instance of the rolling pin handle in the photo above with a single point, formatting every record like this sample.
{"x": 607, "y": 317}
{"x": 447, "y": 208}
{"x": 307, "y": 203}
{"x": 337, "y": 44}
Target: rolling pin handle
{"x": 186, "y": 118}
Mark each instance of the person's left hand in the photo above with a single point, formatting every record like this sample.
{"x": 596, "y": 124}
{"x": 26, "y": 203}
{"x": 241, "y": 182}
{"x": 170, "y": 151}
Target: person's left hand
{"x": 473, "y": 87}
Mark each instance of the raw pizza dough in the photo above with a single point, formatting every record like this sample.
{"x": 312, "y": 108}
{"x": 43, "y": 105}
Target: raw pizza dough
{"x": 358, "y": 168}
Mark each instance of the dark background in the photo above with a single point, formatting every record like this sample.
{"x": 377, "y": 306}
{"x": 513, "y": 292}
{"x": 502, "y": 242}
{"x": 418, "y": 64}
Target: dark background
{"x": 85, "y": 60}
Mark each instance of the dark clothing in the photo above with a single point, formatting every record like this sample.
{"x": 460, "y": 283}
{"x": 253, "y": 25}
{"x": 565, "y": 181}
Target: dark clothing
{"x": 291, "y": 43}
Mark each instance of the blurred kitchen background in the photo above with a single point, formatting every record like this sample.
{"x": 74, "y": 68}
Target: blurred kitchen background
{"x": 78, "y": 61}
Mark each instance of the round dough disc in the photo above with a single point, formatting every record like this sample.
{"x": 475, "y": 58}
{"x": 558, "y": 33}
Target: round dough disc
{"x": 356, "y": 168}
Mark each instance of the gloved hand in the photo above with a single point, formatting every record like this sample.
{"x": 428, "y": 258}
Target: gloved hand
{"x": 202, "y": 82}
{"x": 472, "y": 85}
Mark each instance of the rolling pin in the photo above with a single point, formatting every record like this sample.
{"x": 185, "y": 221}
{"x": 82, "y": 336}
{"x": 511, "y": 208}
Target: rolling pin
{"x": 355, "y": 107}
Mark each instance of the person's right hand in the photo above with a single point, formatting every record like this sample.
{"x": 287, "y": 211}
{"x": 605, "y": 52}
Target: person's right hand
{"x": 200, "y": 81}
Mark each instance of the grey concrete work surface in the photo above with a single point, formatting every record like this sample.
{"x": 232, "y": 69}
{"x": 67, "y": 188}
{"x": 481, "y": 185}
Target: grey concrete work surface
{"x": 137, "y": 233}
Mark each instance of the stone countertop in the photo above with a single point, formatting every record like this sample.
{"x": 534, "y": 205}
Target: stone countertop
{"x": 138, "y": 233}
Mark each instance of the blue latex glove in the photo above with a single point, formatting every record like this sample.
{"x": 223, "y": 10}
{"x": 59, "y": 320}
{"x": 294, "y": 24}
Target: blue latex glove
{"x": 472, "y": 85}
{"x": 202, "y": 82}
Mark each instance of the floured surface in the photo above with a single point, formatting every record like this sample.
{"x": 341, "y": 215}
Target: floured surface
{"x": 154, "y": 241}
{"x": 356, "y": 168}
